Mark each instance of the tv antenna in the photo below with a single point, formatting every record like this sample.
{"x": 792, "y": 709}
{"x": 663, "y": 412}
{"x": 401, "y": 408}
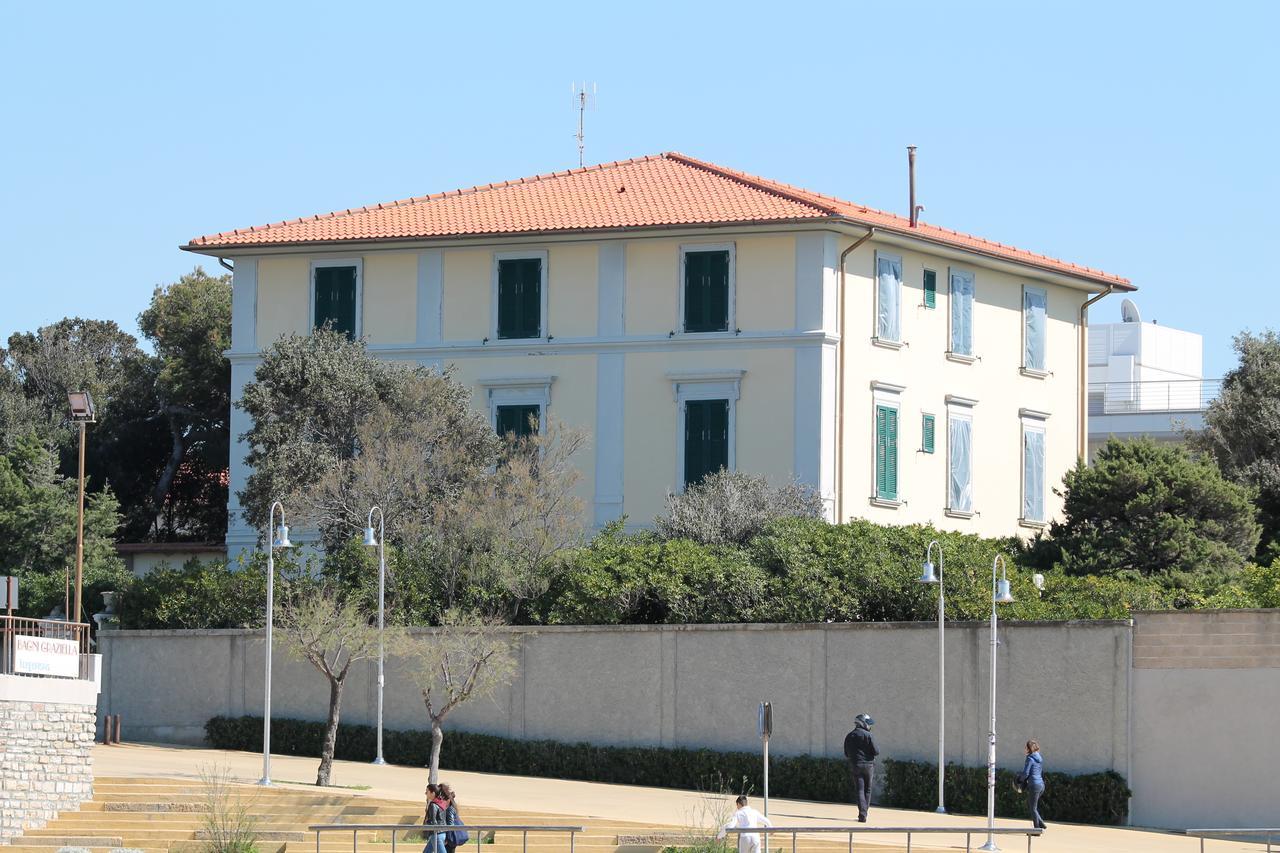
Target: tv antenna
{"x": 583, "y": 100}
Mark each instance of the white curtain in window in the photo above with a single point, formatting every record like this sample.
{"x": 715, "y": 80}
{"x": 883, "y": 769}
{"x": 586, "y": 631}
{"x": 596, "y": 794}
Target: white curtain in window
{"x": 1034, "y": 307}
{"x": 1033, "y": 474}
{"x": 962, "y": 312}
{"x": 960, "y": 478}
{"x": 889, "y": 292}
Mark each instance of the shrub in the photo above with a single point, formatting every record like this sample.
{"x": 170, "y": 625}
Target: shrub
{"x": 1091, "y": 798}
{"x": 1098, "y": 798}
{"x": 729, "y": 508}
{"x": 201, "y": 595}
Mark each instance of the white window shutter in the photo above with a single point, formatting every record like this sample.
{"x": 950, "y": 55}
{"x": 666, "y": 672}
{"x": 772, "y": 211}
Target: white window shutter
{"x": 960, "y": 475}
{"x": 888, "y": 296}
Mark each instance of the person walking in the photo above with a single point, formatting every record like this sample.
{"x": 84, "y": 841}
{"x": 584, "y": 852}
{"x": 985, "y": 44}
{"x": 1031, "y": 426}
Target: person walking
{"x": 1032, "y": 779}
{"x": 745, "y": 818}
{"x": 860, "y": 749}
{"x": 437, "y": 815}
{"x": 454, "y": 838}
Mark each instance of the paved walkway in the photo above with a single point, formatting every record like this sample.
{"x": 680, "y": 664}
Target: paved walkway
{"x": 657, "y": 806}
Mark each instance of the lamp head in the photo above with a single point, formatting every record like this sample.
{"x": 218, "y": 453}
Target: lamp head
{"x": 282, "y": 537}
{"x": 370, "y": 538}
{"x": 82, "y": 408}
{"x": 1003, "y": 594}
{"x": 928, "y": 574}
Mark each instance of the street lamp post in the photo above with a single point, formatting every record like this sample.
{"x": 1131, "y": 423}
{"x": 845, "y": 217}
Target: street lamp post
{"x": 1000, "y": 594}
{"x": 83, "y": 413}
{"x": 380, "y": 541}
{"x": 930, "y": 576}
{"x": 275, "y": 540}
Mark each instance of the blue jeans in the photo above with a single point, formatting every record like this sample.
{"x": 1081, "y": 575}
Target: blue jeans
{"x": 435, "y": 843}
{"x": 1033, "y": 804}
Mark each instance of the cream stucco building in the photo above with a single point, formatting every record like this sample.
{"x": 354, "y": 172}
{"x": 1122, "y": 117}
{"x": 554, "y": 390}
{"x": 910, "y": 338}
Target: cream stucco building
{"x": 689, "y": 317}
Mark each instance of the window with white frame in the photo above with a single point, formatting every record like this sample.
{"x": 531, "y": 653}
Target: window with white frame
{"x": 519, "y": 295}
{"x": 706, "y": 422}
{"x": 707, "y": 272}
{"x": 335, "y": 295}
{"x": 518, "y": 404}
{"x": 888, "y": 298}
{"x": 1033, "y": 467}
{"x": 886, "y": 418}
{"x": 1035, "y": 308}
{"x": 961, "y": 296}
{"x": 960, "y": 456}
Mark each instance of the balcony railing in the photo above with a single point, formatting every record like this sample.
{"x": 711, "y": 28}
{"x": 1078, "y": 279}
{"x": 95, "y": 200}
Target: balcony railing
{"x": 44, "y": 648}
{"x": 1171, "y": 395}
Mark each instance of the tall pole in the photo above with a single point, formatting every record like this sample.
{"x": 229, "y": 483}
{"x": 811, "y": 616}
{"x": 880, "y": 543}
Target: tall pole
{"x": 991, "y": 737}
{"x": 271, "y": 585}
{"x": 942, "y": 682}
{"x": 382, "y": 585}
{"x": 79, "y": 531}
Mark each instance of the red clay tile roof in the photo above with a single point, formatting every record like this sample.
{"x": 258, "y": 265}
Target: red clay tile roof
{"x": 662, "y": 190}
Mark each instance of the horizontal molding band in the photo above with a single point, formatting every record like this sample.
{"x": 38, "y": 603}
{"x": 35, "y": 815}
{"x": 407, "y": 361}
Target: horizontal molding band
{"x": 590, "y": 346}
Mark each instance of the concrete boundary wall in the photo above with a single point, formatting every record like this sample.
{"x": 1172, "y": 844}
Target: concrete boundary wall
{"x": 688, "y": 686}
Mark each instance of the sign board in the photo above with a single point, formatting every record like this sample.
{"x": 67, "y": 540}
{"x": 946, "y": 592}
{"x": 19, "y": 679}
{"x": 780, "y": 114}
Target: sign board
{"x": 46, "y": 656}
{"x": 8, "y": 593}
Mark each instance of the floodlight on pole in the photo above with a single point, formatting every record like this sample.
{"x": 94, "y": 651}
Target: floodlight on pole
{"x": 930, "y": 575}
{"x": 380, "y": 542}
{"x": 84, "y": 413}
{"x": 276, "y": 538}
{"x": 1000, "y": 594}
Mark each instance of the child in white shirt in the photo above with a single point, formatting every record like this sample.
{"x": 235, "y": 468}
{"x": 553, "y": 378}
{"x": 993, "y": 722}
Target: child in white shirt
{"x": 745, "y": 818}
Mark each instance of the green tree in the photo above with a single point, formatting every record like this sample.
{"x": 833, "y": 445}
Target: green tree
{"x": 38, "y": 532}
{"x": 1151, "y": 509}
{"x": 308, "y": 398}
{"x": 189, "y": 324}
{"x": 1242, "y": 430}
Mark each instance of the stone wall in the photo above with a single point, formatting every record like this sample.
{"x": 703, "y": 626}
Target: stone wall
{"x": 46, "y": 765}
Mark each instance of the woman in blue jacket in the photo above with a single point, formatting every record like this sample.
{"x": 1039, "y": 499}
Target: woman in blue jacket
{"x": 1033, "y": 779}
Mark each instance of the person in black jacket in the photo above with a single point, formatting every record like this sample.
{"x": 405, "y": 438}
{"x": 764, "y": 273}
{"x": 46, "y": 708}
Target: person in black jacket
{"x": 860, "y": 749}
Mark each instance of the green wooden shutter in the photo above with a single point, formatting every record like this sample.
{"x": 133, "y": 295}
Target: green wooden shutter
{"x": 706, "y": 291}
{"x": 930, "y": 289}
{"x": 886, "y": 453}
{"x": 706, "y": 438}
{"x": 926, "y": 433}
{"x": 520, "y": 298}
{"x": 522, "y": 421}
{"x": 335, "y": 299}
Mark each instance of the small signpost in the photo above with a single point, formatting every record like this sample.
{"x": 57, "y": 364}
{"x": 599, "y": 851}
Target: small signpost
{"x": 764, "y": 727}
{"x": 9, "y": 594}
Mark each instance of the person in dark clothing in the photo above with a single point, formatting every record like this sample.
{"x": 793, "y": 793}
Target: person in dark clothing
{"x": 860, "y": 749}
{"x": 1032, "y": 777}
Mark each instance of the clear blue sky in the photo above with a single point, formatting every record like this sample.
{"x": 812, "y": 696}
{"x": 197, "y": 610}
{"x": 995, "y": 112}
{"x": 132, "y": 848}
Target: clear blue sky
{"x": 1140, "y": 138}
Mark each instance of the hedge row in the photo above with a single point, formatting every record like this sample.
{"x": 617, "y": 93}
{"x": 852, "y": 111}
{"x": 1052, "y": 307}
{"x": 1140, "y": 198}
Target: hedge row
{"x": 1100, "y": 798}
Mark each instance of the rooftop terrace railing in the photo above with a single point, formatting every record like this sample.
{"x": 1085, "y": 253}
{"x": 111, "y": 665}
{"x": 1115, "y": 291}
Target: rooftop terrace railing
{"x": 1171, "y": 395}
{"x": 397, "y": 828}
{"x": 44, "y": 648}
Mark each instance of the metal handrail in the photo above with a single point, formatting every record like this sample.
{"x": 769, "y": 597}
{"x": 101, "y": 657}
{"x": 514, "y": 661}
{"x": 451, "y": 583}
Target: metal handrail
{"x": 1202, "y": 834}
{"x": 1152, "y": 395}
{"x": 966, "y": 831}
{"x": 436, "y": 828}
{"x": 24, "y": 626}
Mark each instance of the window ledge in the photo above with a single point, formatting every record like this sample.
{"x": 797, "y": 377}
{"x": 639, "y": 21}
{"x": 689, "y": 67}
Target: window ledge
{"x": 961, "y": 357}
{"x": 959, "y": 513}
{"x": 886, "y": 343}
{"x": 887, "y": 504}
{"x": 1034, "y": 525}
{"x": 1032, "y": 373}
{"x": 723, "y": 333}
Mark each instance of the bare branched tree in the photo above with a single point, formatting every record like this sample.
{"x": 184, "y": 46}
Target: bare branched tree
{"x": 330, "y": 634}
{"x": 467, "y": 657}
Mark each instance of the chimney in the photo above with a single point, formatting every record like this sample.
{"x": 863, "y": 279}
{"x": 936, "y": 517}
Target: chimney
{"x": 914, "y": 212}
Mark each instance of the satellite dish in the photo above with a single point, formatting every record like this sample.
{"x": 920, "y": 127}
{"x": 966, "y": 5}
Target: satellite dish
{"x": 1129, "y": 312}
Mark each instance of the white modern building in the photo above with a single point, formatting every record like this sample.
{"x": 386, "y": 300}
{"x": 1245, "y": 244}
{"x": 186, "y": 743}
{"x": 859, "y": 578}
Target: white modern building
{"x": 1145, "y": 380}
